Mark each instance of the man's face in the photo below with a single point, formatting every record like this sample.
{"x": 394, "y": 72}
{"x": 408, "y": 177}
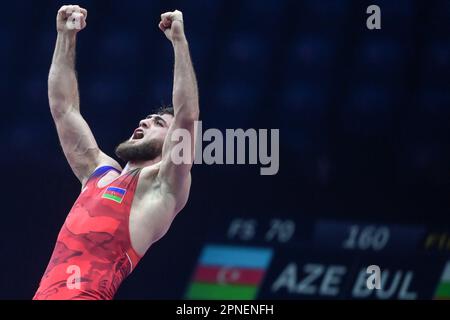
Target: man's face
{"x": 147, "y": 140}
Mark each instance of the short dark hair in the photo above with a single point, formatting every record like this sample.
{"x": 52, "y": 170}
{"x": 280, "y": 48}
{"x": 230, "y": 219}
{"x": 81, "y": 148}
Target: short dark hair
{"x": 165, "y": 109}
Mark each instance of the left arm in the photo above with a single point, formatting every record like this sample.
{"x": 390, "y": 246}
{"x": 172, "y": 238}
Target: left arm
{"x": 175, "y": 178}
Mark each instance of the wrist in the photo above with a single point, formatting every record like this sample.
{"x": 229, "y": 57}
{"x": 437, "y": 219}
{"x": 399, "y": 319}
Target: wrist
{"x": 180, "y": 41}
{"x": 67, "y": 35}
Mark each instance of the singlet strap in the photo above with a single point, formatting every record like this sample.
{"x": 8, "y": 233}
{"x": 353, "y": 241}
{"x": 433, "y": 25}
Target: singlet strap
{"x": 101, "y": 171}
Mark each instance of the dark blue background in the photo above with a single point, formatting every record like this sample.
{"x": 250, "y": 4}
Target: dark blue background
{"x": 363, "y": 117}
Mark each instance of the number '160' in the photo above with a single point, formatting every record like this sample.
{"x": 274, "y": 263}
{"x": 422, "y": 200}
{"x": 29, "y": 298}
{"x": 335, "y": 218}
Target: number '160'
{"x": 366, "y": 238}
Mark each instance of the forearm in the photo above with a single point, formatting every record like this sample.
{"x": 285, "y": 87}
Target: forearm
{"x": 185, "y": 91}
{"x": 62, "y": 81}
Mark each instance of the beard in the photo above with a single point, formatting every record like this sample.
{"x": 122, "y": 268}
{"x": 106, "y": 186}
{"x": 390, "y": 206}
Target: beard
{"x": 130, "y": 151}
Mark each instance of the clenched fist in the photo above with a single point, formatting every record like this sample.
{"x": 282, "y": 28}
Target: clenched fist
{"x": 172, "y": 25}
{"x": 71, "y": 19}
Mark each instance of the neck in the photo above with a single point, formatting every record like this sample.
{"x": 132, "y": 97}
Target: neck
{"x": 132, "y": 165}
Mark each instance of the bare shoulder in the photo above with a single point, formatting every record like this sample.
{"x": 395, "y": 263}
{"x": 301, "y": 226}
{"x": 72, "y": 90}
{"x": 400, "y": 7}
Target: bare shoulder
{"x": 151, "y": 171}
{"x": 152, "y": 176}
{"x": 152, "y": 184}
{"x": 149, "y": 177}
{"x": 148, "y": 184}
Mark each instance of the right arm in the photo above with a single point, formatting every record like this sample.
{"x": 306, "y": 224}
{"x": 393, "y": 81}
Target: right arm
{"x": 76, "y": 138}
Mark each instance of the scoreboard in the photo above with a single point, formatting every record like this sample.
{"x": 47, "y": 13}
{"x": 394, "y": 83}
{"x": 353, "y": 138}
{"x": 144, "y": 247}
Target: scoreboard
{"x": 276, "y": 258}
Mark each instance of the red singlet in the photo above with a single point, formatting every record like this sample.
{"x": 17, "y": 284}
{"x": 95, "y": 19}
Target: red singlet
{"x": 93, "y": 252}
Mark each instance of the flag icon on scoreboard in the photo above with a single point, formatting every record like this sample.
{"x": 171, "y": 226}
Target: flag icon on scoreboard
{"x": 229, "y": 272}
{"x": 443, "y": 289}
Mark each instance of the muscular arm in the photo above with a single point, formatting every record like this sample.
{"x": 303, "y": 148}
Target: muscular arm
{"x": 76, "y": 138}
{"x": 175, "y": 178}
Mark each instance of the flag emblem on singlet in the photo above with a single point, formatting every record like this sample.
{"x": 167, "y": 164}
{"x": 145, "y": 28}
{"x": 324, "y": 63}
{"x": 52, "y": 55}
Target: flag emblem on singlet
{"x": 114, "y": 194}
{"x": 229, "y": 272}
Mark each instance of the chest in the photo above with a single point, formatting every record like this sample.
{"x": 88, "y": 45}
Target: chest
{"x": 103, "y": 206}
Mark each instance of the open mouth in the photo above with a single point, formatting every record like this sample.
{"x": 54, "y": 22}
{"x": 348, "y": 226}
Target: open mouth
{"x": 138, "y": 134}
